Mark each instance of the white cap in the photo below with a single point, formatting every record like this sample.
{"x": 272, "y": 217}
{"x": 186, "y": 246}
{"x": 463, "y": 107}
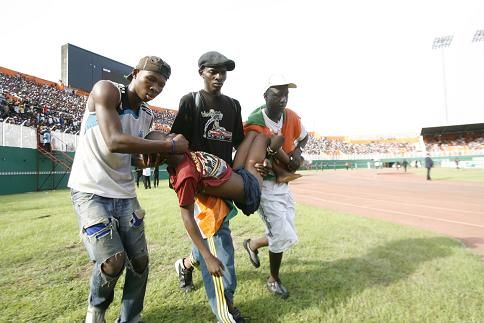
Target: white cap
{"x": 279, "y": 80}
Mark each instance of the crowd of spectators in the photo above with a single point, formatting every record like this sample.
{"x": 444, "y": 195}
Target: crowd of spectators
{"x": 55, "y": 107}
{"x": 455, "y": 142}
{"x": 26, "y": 102}
{"x": 323, "y": 145}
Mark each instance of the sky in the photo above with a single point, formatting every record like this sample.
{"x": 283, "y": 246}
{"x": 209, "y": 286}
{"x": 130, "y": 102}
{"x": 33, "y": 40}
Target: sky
{"x": 363, "y": 68}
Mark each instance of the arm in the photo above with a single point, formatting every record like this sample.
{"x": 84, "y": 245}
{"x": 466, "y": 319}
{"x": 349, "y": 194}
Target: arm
{"x": 214, "y": 265}
{"x": 295, "y": 156}
{"x": 104, "y": 100}
{"x": 184, "y": 117}
{"x": 238, "y": 133}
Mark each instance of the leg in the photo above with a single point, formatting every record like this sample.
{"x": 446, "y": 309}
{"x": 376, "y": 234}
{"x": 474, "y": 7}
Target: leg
{"x": 131, "y": 229}
{"x": 184, "y": 270}
{"x": 275, "y": 260}
{"x": 221, "y": 246}
{"x": 105, "y": 248}
{"x": 252, "y": 150}
{"x": 277, "y": 212}
{"x": 252, "y": 247}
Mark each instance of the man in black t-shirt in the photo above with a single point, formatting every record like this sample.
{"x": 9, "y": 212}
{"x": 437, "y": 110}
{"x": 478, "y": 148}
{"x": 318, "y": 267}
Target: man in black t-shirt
{"x": 212, "y": 122}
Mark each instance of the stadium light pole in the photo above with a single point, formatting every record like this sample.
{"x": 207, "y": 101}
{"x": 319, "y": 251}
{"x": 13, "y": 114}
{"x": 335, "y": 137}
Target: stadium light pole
{"x": 441, "y": 43}
{"x": 478, "y": 36}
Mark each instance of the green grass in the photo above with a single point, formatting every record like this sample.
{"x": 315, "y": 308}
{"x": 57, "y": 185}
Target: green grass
{"x": 344, "y": 268}
{"x": 452, "y": 174}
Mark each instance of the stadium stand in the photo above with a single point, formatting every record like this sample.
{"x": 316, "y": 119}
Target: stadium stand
{"x": 36, "y": 103}
{"x": 33, "y": 102}
{"x": 463, "y": 139}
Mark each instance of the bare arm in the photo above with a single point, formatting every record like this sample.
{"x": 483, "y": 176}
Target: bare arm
{"x": 214, "y": 265}
{"x": 295, "y": 156}
{"x": 104, "y": 100}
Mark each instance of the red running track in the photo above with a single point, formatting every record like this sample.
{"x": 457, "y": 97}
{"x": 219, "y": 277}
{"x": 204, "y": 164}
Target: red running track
{"x": 455, "y": 209}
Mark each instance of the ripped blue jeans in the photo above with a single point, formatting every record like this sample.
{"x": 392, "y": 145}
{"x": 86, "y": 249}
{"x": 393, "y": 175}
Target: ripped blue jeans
{"x": 110, "y": 227}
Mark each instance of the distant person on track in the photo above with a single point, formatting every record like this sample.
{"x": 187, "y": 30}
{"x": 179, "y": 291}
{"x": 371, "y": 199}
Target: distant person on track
{"x": 277, "y": 205}
{"x": 103, "y": 190}
{"x": 156, "y": 176}
{"x": 429, "y": 163}
{"x": 147, "y": 177}
{"x": 405, "y": 165}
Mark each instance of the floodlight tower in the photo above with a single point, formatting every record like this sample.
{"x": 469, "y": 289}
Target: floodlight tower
{"x": 478, "y": 36}
{"x": 442, "y": 43}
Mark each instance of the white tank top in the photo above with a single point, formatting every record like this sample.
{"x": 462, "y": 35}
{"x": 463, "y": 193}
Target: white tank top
{"x": 97, "y": 170}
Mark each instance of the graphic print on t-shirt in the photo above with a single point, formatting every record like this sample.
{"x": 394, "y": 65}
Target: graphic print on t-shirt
{"x": 208, "y": 165}
{"x": 216, "y": 132}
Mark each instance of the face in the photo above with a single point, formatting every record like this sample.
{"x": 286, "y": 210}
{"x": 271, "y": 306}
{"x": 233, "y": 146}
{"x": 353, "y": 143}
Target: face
{"x": 148, "y": 84}
{"x": 276, "y": 98}
{"x": 213, "y": 78}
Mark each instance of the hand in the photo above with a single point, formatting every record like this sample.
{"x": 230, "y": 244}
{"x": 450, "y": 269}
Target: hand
{"x": 263, "y": 168}
{"x": 151, "y": 160}
{"x": 181, "y": 144}
{"x": 137, "y": 160}
{"x": 214, "y": 266}
{"x": 295, "y": 160}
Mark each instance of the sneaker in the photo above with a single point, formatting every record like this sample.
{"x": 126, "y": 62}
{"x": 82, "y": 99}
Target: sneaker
{"x": 184, "y": 276}
{"x": 237, "y": 316}
{"x": 277, "y": 289}
{"x": 253, "y": 255}
{"x": 136, "y": 319}
{"x": 95, "y": 315}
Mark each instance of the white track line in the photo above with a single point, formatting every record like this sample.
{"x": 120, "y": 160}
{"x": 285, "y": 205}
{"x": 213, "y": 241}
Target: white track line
{"x": 398, "y": 212}
{"x": 396, "y": 202}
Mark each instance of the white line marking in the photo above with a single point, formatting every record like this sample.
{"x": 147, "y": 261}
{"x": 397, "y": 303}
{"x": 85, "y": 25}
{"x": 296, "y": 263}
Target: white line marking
{"x": 398, "y": 212}
{"x": 396, "y": 202}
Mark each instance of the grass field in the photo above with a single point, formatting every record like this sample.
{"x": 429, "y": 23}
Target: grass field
{"x": 452, "y": 174}
{"x": 344, "y": 268}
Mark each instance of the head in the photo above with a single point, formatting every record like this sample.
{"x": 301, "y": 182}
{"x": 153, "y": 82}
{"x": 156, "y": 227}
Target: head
{"x": 277, "y": 93}
{"x": 149, "y": 77}
{"x": 213, "y": 67}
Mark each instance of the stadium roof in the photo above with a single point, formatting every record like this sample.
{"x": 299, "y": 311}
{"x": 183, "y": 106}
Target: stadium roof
{"x": 452, "y": 129}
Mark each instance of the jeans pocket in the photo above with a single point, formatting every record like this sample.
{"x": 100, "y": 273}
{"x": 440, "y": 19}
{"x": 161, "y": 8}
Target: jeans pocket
{"x": 79, "y": 198}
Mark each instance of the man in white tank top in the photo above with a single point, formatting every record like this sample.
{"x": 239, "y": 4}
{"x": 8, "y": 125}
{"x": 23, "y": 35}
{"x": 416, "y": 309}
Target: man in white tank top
{"x": 103, "y": 189}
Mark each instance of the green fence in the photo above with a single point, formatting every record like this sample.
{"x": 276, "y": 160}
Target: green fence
{"x": 476, "y": 161}
{"x": 27, "y": 170}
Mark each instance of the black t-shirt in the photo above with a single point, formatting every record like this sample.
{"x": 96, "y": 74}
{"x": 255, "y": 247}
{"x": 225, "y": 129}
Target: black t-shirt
{"x": 217, "y": 128}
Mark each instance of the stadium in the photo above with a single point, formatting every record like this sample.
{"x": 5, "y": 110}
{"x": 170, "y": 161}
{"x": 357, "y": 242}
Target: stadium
{"x": 378, "y": 242}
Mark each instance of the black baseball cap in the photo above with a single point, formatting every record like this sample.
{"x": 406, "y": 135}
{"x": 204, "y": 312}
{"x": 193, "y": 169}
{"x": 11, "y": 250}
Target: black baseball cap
{"x": 153, "y": 64}
{"x": 215, "y": 59}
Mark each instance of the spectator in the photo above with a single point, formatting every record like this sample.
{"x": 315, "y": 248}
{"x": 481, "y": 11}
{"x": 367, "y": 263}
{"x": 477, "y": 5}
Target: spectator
{"x": 429, "y": 163}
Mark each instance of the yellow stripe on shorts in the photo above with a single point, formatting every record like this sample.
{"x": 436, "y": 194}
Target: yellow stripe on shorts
{"x": 222, "y": 308}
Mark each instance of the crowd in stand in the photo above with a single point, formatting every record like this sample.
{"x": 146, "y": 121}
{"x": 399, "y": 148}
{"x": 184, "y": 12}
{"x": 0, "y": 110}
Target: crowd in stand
{"x": 39, "y": 105}
{"x": 26, "y": 102}
{"x": 316, "y": 146}
{"x": 460, "y": 142}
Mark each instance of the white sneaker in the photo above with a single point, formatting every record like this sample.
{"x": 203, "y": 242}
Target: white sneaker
{"x": 95, "y": 315}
